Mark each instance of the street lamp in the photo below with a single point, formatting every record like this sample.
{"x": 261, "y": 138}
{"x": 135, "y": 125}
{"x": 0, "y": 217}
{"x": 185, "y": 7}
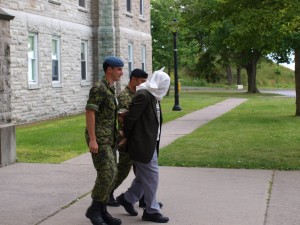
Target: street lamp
{"x": 174, "y": 28}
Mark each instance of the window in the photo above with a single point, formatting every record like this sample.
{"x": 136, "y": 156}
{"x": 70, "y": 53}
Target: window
{"x": 130, "y": 58}
{"x": 55, "y": 59}
{"x": 82, "y": 3}
{"x": 32, "y": 58}
{"x": 143, "y": 57}
{"x": 142, "y": 7}
{"x": 84, "y": 60}
{"x": 128, "y": 5}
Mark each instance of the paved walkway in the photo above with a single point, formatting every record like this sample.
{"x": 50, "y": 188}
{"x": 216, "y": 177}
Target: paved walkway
{"x": 58, "y": 194}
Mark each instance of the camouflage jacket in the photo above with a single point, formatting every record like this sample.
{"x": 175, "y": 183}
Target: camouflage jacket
{"x": 124, "y": 98}
{"x": 102, "y": 100}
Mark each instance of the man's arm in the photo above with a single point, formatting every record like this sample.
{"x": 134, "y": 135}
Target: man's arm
{"x": 136, "y": 109}
{"x": 90, "y": 124}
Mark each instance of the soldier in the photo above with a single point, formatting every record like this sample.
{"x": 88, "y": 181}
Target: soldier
{"x": 137, "y": 77}
{"x": 101, "y": 131}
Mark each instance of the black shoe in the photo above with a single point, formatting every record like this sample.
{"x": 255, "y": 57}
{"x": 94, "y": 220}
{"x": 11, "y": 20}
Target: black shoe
{"x": 156, "y": 217}
{"x": 112, "y": 201}
{"x": 143, "y": 204}
{"x": 127, "y": 205}
{"x": 108, "y": 218}
{"x": 95, "y": 216}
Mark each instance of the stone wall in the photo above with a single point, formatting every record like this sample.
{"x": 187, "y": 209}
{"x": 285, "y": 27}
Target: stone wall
{"x": 5, "y": 76}
{"x": 7, "y": 129}
{"x": 106, "y": 26}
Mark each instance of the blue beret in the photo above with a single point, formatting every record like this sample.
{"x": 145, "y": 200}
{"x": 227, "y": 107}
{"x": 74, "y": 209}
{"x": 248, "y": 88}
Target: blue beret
{"x": 114, "y": 61}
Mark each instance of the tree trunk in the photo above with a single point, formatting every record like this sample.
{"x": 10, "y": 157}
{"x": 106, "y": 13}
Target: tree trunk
{"x": 238, "y": 75}
{"x": 251, "y": 73}
{"x": 229, "y": 75}
{"x": 297, "y": 80}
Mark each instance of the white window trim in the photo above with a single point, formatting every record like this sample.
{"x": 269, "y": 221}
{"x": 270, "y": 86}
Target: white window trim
{"x": 57, "y": 83}
{"x": 33, "y": 83}
{"x": 130, "y": 58}
{"x": 85, "y": 43}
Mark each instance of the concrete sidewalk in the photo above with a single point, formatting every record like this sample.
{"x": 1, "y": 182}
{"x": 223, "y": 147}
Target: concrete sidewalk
{"x": 59, "y": 194}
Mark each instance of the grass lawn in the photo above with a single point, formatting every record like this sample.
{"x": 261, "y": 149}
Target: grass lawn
{"x": 55, "y": 141}
{"x": 261, "y": 133}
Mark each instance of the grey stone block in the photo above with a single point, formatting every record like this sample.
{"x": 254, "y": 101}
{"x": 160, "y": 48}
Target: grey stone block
{"x": 7, "y": 144}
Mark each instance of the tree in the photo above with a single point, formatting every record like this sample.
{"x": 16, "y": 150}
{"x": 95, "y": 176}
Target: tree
{"x": 240, "y": 32}
{"x": 162, "y": 14}
{"x": 288, "y": 37}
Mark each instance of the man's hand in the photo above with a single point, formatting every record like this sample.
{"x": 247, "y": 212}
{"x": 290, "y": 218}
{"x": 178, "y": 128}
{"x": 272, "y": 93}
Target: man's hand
{"x": 93, "y": 146}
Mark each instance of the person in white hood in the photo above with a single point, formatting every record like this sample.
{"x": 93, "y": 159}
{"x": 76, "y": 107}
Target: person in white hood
{"x": 142, "y": 129}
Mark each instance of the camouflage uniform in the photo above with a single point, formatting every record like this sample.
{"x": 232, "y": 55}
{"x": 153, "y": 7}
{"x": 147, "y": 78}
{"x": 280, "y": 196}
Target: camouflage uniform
{"x": 125, "y": 162}
{"x": 102, "y": 100}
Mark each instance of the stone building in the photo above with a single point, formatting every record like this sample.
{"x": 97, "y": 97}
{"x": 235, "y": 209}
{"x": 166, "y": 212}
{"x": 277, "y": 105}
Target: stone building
{"x": 57, "y": 48}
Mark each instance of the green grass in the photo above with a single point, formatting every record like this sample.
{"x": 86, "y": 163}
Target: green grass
{"x": 262, "y": 133}
{"x": 55, "y": 141}
{"x": 51, "y": 141}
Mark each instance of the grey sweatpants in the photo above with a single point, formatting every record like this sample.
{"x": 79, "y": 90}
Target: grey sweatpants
{"x": 145, "y": 183}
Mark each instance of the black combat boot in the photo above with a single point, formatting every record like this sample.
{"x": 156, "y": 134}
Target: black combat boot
{"x": 94, "y": 213}
{"x": 108, "y": 218}
{"x": 112, "y": 201}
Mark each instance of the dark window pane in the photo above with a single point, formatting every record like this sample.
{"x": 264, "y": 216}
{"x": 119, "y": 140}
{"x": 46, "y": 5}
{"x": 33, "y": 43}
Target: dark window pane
{"x": 128, "y": 5}
{"x": 54, "y": 70}
{"x": 83, "y": 70}
{"x": 129, "y": 67}
{"x": 82, "y": 3}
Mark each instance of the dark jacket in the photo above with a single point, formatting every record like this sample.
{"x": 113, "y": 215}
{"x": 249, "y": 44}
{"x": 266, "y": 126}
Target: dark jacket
{"x": 141, "y": 127}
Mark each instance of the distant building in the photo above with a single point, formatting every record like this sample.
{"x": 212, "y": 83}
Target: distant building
{"x": 57, "y": 48}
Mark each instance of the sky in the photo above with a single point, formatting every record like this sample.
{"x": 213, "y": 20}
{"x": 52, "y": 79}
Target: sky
{"x": 291, "y": 65}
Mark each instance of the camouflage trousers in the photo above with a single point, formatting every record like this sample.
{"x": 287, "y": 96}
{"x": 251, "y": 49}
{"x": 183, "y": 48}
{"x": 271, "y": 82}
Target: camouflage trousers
{"x": 124, "y": 167}
{"x": 105, "y": 163}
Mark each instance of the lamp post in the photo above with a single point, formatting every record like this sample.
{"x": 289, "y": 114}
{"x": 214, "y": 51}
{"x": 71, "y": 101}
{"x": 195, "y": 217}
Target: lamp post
{"x": 174, "y": 28}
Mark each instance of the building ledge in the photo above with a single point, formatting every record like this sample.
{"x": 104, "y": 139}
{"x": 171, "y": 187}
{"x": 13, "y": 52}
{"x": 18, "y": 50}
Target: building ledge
{"x": 5, "y": 16}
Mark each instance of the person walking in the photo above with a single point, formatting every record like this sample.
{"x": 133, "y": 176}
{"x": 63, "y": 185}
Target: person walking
{"x": 137, "y": 77}
{"x": 101, "y": 131}
{"x": 141, "y": 132}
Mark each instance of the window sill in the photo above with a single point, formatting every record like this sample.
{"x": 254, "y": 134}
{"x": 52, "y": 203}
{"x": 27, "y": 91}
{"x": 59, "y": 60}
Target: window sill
{"x": 33, "y": 86}
{"x": 82, "y": 9}
{"x": 57, "y": 2}
{"x": 56, "y": 85}
{"x": 141, "y": 18}
{"x": 85, "y": 83}
{"x": 128, "y": 14}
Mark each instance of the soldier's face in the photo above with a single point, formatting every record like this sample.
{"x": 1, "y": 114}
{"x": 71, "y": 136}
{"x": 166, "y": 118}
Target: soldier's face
{"x": 138, "y": 80}
{"x": 116, "y": 73}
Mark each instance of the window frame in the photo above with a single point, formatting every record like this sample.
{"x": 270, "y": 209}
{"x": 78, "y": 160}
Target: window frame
{"x": 128, "y": 6}
{"x": 144, "y": 57}
{"x": 130, "y": 58}
{"x": 83, "y": 5}
{"x": 58, "y": 53}
{"x": 85, "y": 59}
{"x": 142, "y": 8}
{"x": 32, "y": 76}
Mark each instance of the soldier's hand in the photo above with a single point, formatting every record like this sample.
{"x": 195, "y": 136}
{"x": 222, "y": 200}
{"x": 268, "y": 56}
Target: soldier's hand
{"x": 93, "y": 146}
{"x": 122, "y": 143}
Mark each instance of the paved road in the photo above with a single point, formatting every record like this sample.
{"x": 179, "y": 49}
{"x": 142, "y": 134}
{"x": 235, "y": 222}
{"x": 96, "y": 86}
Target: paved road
{"x": 59, "y": 194}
